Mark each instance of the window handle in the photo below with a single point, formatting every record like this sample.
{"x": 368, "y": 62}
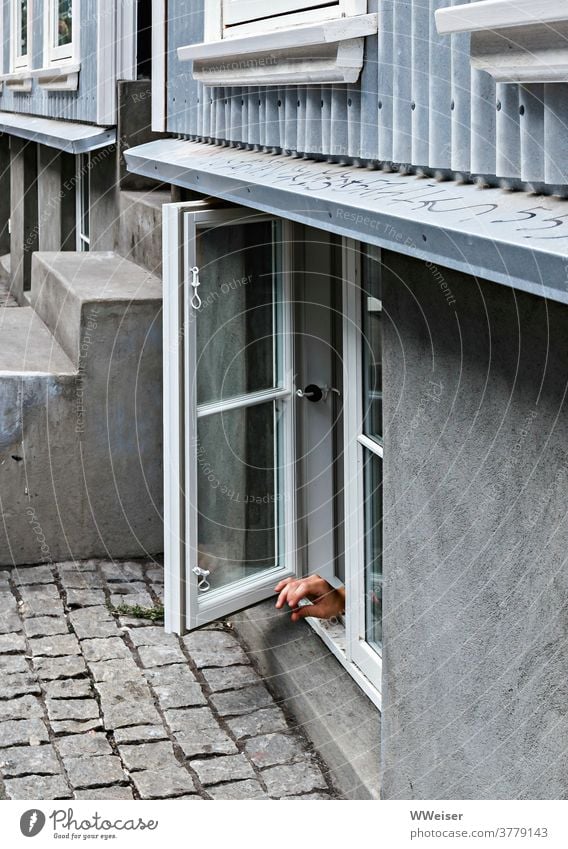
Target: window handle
{"x": 315, "y": 393}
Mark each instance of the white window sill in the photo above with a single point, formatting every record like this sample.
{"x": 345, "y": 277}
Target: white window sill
{"x": 520, "y": 41}
{"x": 19, "y": 81}
{"x": 327, "y": 52}
{"x": 58, "y": 77}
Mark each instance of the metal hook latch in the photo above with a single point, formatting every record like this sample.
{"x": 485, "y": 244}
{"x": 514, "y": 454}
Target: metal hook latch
{"x": 202, "y": 584}
{"x": 195, "y": 283}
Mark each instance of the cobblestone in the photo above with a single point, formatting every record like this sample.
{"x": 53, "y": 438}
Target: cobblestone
{"x": 127, "y": 703}
{"x": 105, "y": 649}
{"x": 55, "y": 646}
{"x": 95, "y": 705}
{"x": 242, "y": 701}
{"x": 79, "y": 745}
{"x": 29, "y": 760}
{"x": 38, "y": 787}
{"x": 273, "y": 749}
{"x": 214, "y": 648}
{"x": 22, "y": 732}
{"x": 93, "y": 622}
{"x": 12, "y": 643}
{"x": 215, "y": 770}
{"x": 94, "y": 771}
{"x": 105, "y": 793}
{"x": 51, "y": 668}
{"x": 45, "y": 626}
{"x": 293, "y": 779}
{"x": 148, "y": 756}
{"x": 24, "y": 707}
{"x": 19, "y": 683}
{"x": 238, "y": 790}
{"x": 162, "y": 784}
{"x": 231, "y": 678}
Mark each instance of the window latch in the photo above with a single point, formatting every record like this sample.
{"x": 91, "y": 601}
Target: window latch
{"x": 195, "y": 283}
{"x": 202, "y": 574}
{"x": 315, "y": 393}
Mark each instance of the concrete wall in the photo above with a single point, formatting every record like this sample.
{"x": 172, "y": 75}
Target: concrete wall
{"x": 476, "y": 464}
{"x": 139, "y": 237}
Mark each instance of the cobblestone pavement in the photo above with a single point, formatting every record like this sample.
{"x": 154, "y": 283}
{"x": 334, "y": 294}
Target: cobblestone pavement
{"x": 99, "y": 705}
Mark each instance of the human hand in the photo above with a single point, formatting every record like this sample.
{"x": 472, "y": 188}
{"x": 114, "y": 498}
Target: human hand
{"x": 327, "y": 601}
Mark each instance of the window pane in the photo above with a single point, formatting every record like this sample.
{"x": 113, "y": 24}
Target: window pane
{"x": 372, "y": 361}
{"x": 64, "y": 34}
{"x": 373, "y": 548}
{"x": 23, "y": 35}
{"x": 239, "y": 502}
{"x": 236, "y": 325}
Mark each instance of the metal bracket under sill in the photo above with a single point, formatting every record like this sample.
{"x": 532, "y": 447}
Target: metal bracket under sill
{"x": 324, "y": 53}
{"x": 58, "y": 78}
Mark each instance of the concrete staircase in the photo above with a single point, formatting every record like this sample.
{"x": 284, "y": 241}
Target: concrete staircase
{"x": 80, "y": 412}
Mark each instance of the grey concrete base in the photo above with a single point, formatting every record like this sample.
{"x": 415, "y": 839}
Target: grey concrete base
{"x": 333, "y": 712}
{"x": 140, "y": 232}
{"x": 80, "y": 410}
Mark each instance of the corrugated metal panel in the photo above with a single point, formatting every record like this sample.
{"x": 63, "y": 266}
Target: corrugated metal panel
{"x": 418, "y": 104}
{"x": 74, "y": 106}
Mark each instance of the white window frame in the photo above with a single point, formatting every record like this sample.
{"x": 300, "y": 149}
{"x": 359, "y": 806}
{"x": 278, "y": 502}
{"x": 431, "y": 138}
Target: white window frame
{"x": 82, "y": 178}
{"x": 20, "y": 63}
{"x": 215, "y": 27}
{"x": 66, "y": 53}
{"x": 346, "y": 639}
{"x": 185, "y": 607}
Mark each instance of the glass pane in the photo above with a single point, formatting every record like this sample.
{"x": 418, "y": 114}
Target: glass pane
{"x": 23, "y": 40}
{"x": 238, "y": 497}
{"x": 372, "y": 338}
{"x": 237, "y": 328}
{"x": 64, "y": 22}
{"x": 373, "y": 482}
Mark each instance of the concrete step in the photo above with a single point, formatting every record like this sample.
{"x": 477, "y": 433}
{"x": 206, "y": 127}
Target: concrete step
{"x": 28, "y": 348}
{"x": 139, "y": 237}
{"x": 72, "y": 290}
{"x": 81, "y": 413}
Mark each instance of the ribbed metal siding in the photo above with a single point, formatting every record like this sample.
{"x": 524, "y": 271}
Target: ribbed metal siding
{"x": 74, "y": 105}
{"x": 418, "y": 103}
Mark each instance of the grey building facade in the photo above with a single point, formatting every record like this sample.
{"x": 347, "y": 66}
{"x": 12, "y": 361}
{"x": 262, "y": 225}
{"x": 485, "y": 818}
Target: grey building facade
{"x": 364, "y": 265}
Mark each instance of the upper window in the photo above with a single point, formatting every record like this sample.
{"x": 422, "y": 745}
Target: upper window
{"x": 21, "y": 30}
{"x": 60, "y": 30}
{"x": 231, "y": 18}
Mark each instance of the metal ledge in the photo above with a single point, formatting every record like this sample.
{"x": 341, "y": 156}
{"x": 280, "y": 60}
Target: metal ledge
{"x": 19, "y": 81}
{"x": 63, "y": 135}
{"x": 514, "y": 239}
{"x": 324, "y": 53}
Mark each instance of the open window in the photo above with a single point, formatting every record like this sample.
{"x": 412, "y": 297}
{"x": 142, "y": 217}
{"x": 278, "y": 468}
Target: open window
{"x": 264, "y": 479}
{"x": 83, "y": 202}
{"x": 229, "y": 455}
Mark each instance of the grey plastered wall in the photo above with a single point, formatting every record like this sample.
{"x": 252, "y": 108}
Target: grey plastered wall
{"x": 4, "y": 194}
{"x": 475, "y": 690}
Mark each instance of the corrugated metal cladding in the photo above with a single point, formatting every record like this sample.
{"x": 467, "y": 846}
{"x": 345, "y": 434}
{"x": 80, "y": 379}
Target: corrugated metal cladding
{"x": 80, "y": 105}
{"x": 418, "y": 102}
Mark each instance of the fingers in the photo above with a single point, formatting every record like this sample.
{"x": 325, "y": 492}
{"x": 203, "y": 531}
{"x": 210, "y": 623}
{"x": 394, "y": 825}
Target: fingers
{"x": 311, "y": 610}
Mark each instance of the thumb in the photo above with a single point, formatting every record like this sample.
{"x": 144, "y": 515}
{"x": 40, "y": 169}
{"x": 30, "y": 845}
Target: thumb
{"x": 306, "y": 610}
